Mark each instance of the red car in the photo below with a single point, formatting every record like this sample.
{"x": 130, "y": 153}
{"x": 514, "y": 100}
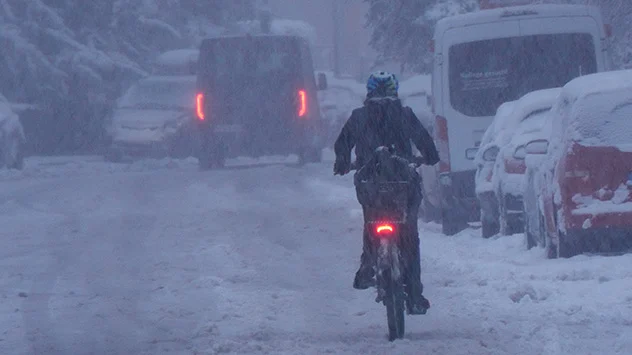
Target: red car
{"x": 586, "y": 189}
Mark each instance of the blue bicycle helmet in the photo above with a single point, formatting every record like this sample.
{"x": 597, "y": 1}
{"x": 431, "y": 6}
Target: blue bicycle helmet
{"x": 382, "y": 84}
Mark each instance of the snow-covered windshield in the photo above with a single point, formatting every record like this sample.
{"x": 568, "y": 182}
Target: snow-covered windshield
{"x": 160, "y": 94}
{"x": 484, "y": 74}
{"x": 604, "y": 119}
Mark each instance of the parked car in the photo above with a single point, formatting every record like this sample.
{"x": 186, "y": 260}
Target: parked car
{"x": 485, "y": 58}
{"x": 526, "y": 124}
{"x": 12, "y": 139}
{"x": 586, "y": 177}
{"x": 484, "y": 162}
{"x": 257, "y": 96}
{"x": 154, "y": 118}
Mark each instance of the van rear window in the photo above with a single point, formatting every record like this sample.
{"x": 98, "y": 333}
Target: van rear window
{"x": 233, "y": 59}
{"x": 484, "y": 74}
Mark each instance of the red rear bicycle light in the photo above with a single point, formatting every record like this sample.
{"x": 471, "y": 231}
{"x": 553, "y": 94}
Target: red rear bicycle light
{"x": 199, "y": 106}
{"x": 302, "y": 103}
{"x": 384, "y": 229}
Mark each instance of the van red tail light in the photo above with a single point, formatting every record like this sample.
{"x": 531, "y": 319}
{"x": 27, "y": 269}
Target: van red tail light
{"x": 199, "y": 106}
{"x": 384, "y": 229}
{"x": 443, "y": 144}
{"x": 302, "y": 103}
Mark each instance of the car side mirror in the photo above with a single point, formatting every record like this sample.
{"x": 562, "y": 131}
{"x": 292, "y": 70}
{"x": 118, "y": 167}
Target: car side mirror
{"x": 539, "y": 146}
{"x": 491, "y": 153}
{"x": 520, "y": 153}
{"x": 322, "y": 81}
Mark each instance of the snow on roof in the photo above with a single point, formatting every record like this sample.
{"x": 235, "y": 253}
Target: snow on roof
{"x": 602, "y": 117}
{"x": 510, "y": 114}
{"x": 278, "y": 27}
{"x": 535, "y": 101}
{"x": 594, "y": 83}
{"x": 493, "y": 15}
{"x": 177, "y": 57}
{"x": 294, "y": 28}
{"x": 176, "y": 62}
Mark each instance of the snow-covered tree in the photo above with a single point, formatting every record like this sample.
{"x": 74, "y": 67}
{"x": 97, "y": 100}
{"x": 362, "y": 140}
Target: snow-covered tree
{"x": 402, "y": 29}
{"x": 73, "y": 58}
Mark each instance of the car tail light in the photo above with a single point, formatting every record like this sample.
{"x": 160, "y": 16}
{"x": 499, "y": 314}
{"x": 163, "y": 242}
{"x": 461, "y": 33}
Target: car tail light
{"x": 443, "y": 144}
{"x": 302, "y": 103}
{"x": 199, "y": 106}
{"x": 384, "y": 229}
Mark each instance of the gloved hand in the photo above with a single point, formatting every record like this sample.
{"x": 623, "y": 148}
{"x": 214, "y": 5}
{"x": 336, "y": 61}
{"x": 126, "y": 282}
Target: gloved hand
{"x": 341, "y": 167}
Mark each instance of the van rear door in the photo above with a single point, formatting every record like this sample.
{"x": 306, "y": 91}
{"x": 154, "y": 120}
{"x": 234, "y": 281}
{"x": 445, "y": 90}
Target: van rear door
{"x": 475, "y": 78}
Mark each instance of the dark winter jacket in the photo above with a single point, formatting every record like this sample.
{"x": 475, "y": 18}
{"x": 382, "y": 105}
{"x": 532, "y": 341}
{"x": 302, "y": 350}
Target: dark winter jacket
{"x": 387, "y": 123}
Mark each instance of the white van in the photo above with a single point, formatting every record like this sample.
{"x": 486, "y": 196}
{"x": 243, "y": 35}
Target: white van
{"x": 485, "y": 58}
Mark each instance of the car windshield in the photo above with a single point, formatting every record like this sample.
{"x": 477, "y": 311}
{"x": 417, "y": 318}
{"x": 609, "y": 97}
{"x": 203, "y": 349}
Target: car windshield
{"x": 484, "y": 74}
{"x": 160, "y": 94}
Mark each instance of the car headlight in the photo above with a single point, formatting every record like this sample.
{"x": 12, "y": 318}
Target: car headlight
{"x": 445, "y": 180}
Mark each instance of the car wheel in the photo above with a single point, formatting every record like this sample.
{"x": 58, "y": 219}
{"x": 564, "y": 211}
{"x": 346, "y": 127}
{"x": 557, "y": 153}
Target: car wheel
{"x": 505, "y": 227}
{"x": 310, "y": 155}
{"x": 452, "y": 222}
{"x": 489, "y": 228}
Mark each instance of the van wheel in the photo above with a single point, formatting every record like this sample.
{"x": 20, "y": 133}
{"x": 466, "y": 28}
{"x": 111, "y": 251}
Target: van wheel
{"x": 211, "y": 160}
{"x": 452, "y": 222}
{"x": 489, "y": 228}
{"x": 211, "y": 156}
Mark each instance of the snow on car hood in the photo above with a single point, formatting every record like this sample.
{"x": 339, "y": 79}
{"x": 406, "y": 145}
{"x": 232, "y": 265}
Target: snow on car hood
{"x": 146, "y": 119}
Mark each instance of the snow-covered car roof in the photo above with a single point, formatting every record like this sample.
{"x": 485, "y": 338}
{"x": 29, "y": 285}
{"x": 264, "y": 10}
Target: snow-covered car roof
{"x": 176, "y": 62}
{"x": 594, "y": 105}
{"x": 594, "y": 83}
{"x": 603, "y": 118}
{"x": 510, "y": 114}
{"x": 525, "y": 12}
{"x": 534, "y": 101}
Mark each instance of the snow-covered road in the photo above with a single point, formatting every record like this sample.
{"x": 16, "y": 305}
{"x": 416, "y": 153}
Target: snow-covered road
{"x": 159, "y": 258}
